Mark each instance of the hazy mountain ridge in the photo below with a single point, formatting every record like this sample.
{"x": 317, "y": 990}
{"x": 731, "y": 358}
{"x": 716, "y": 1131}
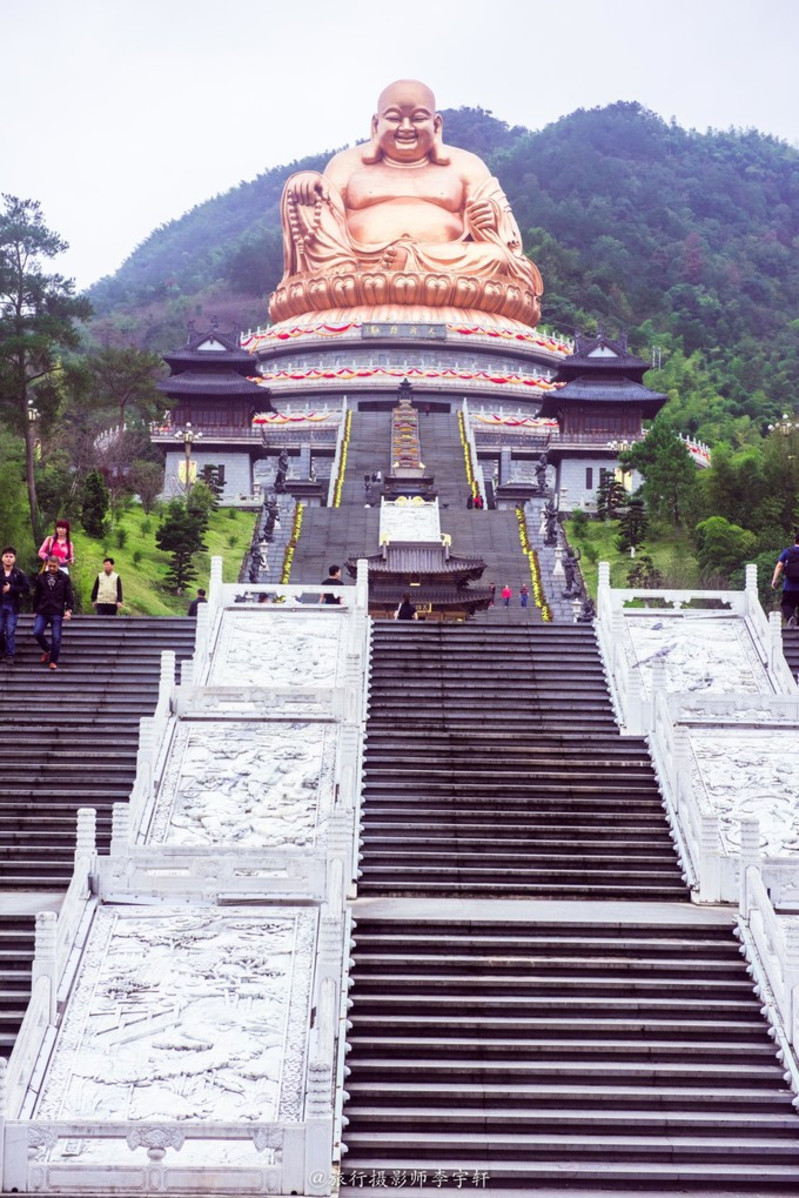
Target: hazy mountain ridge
{"x": 685, "y": 238}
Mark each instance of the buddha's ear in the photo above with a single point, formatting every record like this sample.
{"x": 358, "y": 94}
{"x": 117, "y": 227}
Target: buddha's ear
{"x": 370, "y": 150}
{"x": 438, "y": 154}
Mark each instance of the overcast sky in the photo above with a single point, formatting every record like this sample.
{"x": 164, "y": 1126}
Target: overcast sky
{"x": 119, "y": 116}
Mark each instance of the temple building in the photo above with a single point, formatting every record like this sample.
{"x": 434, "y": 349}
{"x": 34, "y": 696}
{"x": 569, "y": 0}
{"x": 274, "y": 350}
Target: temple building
{"x": 600, "y": 407}
{"x": 215, "y": 402}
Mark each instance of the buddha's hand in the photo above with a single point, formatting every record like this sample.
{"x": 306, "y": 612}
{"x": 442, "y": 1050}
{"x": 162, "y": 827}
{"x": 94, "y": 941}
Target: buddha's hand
{"x": 482, "y": 216}
{"x": 308, "y": 186}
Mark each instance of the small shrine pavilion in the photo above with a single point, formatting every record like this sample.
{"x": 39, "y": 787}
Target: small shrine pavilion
{"x": 215, "y": 401}
{"x": 415, "y": 557}
{"x": 600, "y": 409}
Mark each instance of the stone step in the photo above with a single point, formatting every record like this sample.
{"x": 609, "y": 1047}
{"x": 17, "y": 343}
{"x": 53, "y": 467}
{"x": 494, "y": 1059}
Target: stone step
{"x": 562, "y": 960}
{"x": 566, "y": 1098}
{"x": 576, "y": 982}
{"x": 596, "y": 1030}
{"x": 481, "y": 941}
{"x": 700, "y": 1008}
{"x": 453, "y": 1070}
{"x": 554, "y": 1144}
{"x": 421, "y": 1115}
{"x": 554, "y": 888}
{"x": 516, "y": 1179}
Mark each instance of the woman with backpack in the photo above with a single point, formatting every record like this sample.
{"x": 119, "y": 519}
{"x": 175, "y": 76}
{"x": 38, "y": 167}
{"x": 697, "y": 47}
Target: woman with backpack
{"x": 59, "y": 545}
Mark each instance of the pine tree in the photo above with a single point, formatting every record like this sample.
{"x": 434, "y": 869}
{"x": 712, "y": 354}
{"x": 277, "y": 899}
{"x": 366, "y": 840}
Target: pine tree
{"x": 37, "y": 320}
{"x": 181, "y": 536}
{"x": 94, "y": 509}
{"x": 633, "y": 524}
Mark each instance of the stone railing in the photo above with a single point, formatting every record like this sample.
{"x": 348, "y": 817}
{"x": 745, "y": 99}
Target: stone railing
{"x": 771, "y": 944}
{"x": 615, "y": 606}
{"x": 283, "y": 1156}
{"x": 677, "y": 721}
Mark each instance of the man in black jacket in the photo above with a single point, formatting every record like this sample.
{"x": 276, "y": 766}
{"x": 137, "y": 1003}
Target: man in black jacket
{"x": 13, "y": 585}
{"x": 52, "y": 604}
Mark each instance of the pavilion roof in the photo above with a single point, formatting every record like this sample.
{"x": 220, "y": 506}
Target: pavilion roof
{"x": 210, "y": 350}
{"x": 402, "y": 561}
{"x": 609, "y": 389}
{"x": 222, "y": 383}
{"x": 599, "y": 356}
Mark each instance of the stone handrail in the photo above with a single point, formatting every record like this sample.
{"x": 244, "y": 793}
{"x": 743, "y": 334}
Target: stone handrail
{"x": 335, "y": 464}
{"x": 634, "y": 707}
{"x": 773, "y": 949}
{"x": 302, "y": 1152}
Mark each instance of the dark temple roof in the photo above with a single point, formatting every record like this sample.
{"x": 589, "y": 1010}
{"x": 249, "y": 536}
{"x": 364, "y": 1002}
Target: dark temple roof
{"x": 210, "y": 383}
{"x": 608, "y": 389}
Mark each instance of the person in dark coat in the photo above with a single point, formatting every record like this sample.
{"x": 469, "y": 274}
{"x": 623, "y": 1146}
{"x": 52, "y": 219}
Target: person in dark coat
{"x": 53, "y": 601}
{"x": 406, "y": 610}
{"x": 13, "y": 585}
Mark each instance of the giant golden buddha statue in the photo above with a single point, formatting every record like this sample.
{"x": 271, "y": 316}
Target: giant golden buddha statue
{"x": 403, "y": 227}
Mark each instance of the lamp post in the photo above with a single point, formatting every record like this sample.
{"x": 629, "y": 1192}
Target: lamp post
{"x": 187, "y": 436}
{"x": 33, "y": 416}
{"x": 782, "y": 455}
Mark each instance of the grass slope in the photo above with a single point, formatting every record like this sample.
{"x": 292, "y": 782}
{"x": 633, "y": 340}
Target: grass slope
{"x": 229, "y": 534}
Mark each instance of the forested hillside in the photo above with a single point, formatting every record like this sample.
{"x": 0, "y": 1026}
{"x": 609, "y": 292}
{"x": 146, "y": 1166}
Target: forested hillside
{"x": 689, "y": 240}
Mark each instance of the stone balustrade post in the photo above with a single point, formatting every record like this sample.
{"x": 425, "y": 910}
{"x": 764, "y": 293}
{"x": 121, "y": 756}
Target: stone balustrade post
{"x": 775, "y": 653}
{"x": 85, "y": 836}
{"x": 603, "y": 600}
{"x": 557, "y": 569}
{"x": 710, "y": 859}
{"x": 120, "y": 829}
{"x": 44, "y": 958}
{"x": 751, "y": 597}
{"x": 750, "y": 843}
{"x": 145, "y": 757}
{"x": 166, "y": 682}
{"x": 202, "y": 636}
{"x": 791, "y": 979}
{"x": 681, "y": 765}
{"x": 214, "y": 589}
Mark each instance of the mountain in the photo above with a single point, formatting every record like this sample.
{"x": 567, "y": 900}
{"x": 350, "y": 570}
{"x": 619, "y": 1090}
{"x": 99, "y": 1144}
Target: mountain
{"x": 688, "y": 240}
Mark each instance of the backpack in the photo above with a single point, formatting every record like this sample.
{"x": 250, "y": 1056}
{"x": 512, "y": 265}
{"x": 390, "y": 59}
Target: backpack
{"x": 792, "y": 564}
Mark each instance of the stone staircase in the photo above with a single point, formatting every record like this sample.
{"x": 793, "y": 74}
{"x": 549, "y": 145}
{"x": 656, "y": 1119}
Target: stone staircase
{"x": 352, "y": 530}
{"x": 70, "y": 737}
{"x": 494, "y": 767}
{"x": 556, "y": 1055}
{"x": 560, "y": 1018}
{"x": 16, "y": 958}
{"x": 790, "y": 647}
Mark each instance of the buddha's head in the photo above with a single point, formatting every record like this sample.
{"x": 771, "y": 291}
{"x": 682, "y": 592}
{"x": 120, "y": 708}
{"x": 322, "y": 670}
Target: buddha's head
{"x": 406, "y": 127}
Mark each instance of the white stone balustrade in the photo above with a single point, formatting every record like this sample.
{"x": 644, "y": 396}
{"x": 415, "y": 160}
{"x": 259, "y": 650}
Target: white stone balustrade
{"x": 219, "y": 915}
{"x": 771, "y": 941}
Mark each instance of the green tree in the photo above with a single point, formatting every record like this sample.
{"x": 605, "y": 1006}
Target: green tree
{"x": 94, "y": 510}
{"x": 147, "y": 480}
{"x": 181, "y": 536}
{"x": 610, "y": 495}
{"x": 126, "y": 377}
{"x": 633, "y": 525}
{"x": 645, "y": 573}
{"x": 38, "y": 312}
{"x": 721, "y": 546}
{"x": 210, "y": 476}
{"x": 669, "y": 486}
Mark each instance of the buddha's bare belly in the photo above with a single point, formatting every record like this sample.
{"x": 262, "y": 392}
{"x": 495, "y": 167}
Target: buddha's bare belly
{"x": 406, "y": 216}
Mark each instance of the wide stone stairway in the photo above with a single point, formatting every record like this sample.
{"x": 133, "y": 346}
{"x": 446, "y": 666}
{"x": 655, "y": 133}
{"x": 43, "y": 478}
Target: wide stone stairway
{"x": 71, "y": 737}
{"x": 559, "y": 1018}
{"x": 352, "y": 530}
{"x": 69, "y": 740}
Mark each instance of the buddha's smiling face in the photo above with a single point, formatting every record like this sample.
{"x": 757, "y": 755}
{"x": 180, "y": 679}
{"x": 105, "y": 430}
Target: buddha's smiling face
{"x": 406, "y": 123}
